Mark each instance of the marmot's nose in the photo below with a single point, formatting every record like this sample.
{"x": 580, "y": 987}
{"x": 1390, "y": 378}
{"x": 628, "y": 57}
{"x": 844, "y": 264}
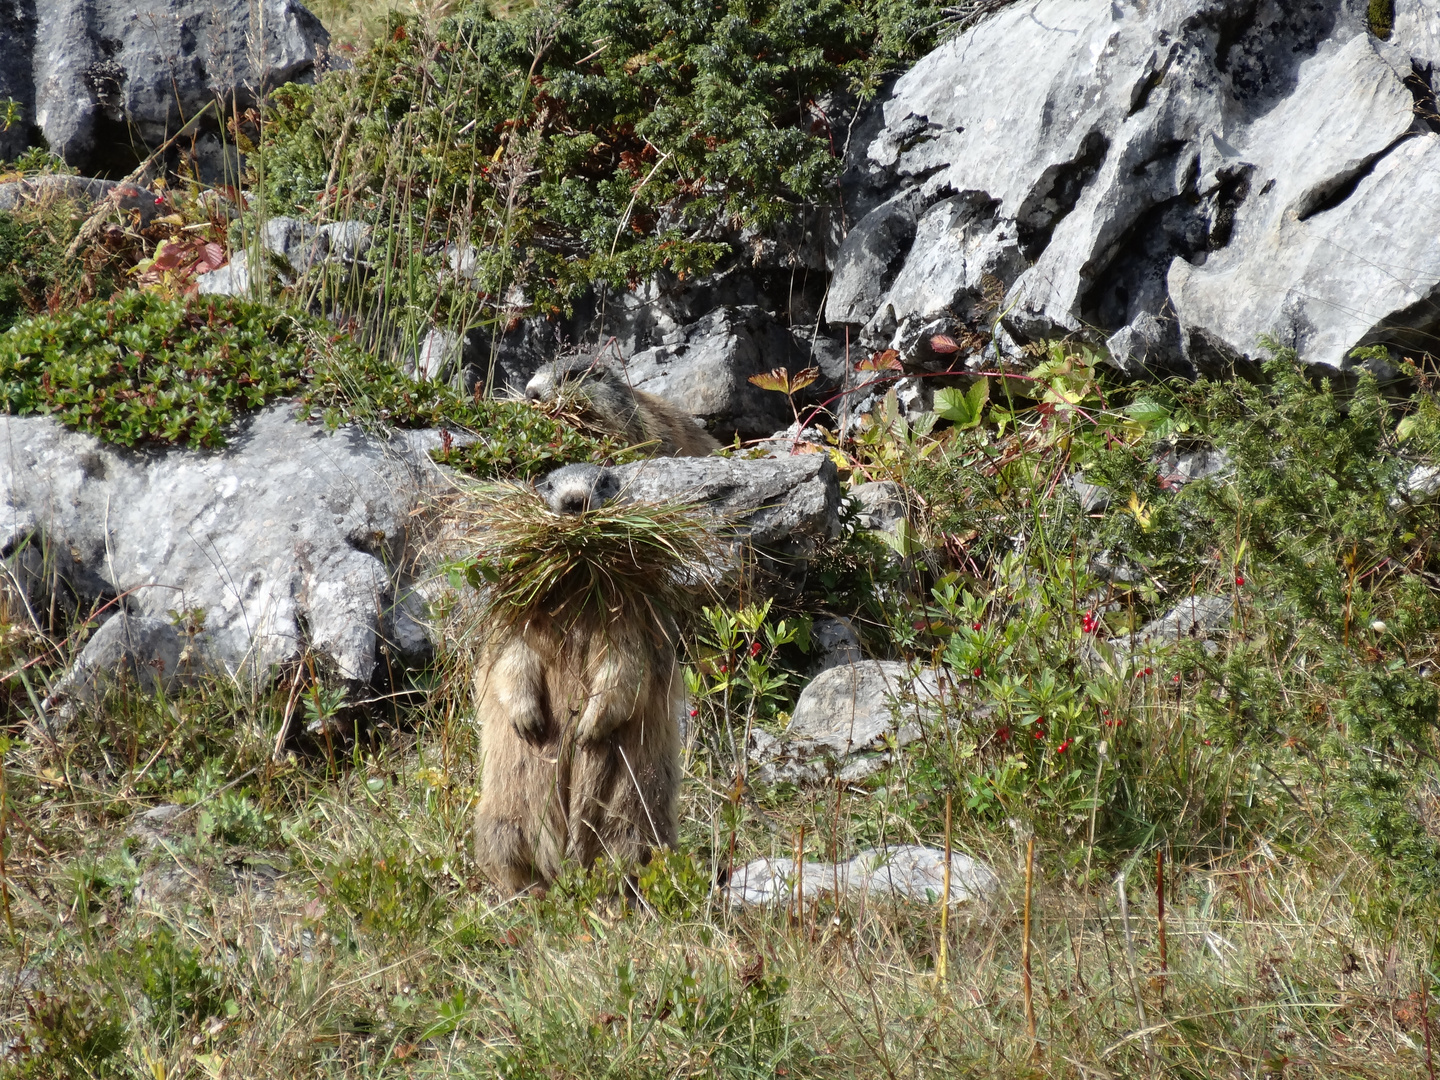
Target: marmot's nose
{"x": 532, "y": 393}
{"x": 574, "y": 504}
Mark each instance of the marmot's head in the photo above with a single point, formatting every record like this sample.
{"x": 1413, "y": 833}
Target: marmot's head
{"x": 574, "y": 489}
{"x": 545, "y": 384}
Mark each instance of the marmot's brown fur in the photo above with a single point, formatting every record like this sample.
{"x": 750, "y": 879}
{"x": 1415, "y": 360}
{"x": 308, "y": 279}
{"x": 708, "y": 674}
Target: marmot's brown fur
{"x": 633, "y": 414}
{"x": 579, "y": 731}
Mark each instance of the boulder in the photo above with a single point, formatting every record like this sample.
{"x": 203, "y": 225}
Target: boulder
{"x": 144, "y": 652}
{"x": 848, "y": 720}
{"x": 1177, "y": 178}
{"x": 784, "y": 505}
{"x": 882, "y": 505}
{"x": 286, "y": 541}
{"x": 905, "y": 872}
{"x": 97, "y": 78}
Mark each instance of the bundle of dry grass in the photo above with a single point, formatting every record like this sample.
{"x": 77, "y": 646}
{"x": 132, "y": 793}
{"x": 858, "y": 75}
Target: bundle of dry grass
{"x": 527, "y": 560}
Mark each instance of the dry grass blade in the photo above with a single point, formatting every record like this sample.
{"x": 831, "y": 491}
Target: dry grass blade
{"x": 528, "y": 560}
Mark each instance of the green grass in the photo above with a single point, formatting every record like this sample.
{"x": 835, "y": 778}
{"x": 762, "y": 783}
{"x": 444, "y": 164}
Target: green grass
{"x": 320, "y": 915}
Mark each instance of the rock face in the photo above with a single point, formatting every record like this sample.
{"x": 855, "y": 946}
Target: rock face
{"x": 1186, "y": 176}
{"x": 285, "y": 541}
{"x": 904, "y": 872}
{"x": 96, "y": 78}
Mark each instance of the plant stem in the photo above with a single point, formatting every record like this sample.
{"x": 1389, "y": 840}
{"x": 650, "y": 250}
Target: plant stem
{"x": 1025, "y": 948}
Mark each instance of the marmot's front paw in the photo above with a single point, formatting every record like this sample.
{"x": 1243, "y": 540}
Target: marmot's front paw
{"x": 530, "y": 724}
{"x": 590, "y": 730}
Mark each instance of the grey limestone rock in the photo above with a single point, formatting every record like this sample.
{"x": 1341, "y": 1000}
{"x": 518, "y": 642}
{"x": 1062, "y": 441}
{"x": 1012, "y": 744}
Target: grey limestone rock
{"x": 789, "y": 504}
{"x": 1195, "y": 617}
{"x": 291, "y": 247}
{"x": 882, "y": 504}
{"x": 1185, "y": 176}
{"x": 847, "y": 720}
{"x": 706, "y": 371}
{"x": 906, "y": 872}
{"x": 289, "y": 539}
{"x": 96, "y": 78}
{"x": 143, "y": 651}
{"x": 870, "y": 256}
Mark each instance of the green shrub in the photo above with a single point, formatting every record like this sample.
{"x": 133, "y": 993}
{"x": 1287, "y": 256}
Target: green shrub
{"x": 140, "y": 369}
{"x": 599, "y": 141}
{"x": 390, "y": 895}
{"x": 143, "y": 369}
{"x": 73, "y": 1032}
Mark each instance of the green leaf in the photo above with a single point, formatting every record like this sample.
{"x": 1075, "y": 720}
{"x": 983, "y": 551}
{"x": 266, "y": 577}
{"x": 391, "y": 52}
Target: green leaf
{"x": 963, "y": 408}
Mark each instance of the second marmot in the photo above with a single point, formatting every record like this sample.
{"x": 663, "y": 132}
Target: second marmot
{"x": 617, "y": 407}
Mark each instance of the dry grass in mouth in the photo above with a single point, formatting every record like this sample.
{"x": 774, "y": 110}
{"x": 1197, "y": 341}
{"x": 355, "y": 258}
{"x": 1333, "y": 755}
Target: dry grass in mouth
{"x": 528, "y": 560}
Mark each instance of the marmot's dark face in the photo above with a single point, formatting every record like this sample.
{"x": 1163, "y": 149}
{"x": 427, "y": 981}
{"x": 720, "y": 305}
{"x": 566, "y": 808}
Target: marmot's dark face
{"x": 574, "y": 489}
{"x": 545, "y": 384}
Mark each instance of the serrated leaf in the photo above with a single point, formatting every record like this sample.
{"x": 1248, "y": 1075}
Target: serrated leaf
{"x": 888, "y": 360}
{"x": 943, "y": 344}
{"x": 777, "y": 379}
{"x": 963, "y": 408}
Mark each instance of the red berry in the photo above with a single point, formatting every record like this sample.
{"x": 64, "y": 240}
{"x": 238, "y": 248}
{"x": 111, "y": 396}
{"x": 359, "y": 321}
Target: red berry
{"x": 754, "y": 648}
{"x": 1239, "y": 579}
{"x": 694, "y": 712}
{"x": 975, "y": 626}
{"x": 1149, "y": 671}
{"x": 978, "y": 673}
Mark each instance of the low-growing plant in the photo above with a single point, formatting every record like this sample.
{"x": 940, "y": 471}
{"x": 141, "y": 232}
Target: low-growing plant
{"x": 143, "y": 369}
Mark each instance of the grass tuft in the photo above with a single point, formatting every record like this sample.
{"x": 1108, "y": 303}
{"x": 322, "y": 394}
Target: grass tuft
{"x": 531, "y": 561}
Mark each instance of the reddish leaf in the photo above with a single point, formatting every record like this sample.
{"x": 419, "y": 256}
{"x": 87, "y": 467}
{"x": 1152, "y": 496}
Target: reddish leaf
{"x": 803, "y": 379}
{"x": 889, "y": 360}
{"x": 168, "y": 257}
{"x": 943, "y": 343}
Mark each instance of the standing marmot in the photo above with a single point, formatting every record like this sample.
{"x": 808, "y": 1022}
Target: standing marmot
{"x": 634, "y": 414}
{"x": 579, "y": 728}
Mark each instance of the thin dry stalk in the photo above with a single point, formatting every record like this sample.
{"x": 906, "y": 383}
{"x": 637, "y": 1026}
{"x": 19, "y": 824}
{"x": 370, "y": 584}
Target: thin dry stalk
{"x": 1130, "y": 955}
{"x": 1425, "y": 1022}
{"x": 942, "y": 964}
{"x": 1025, "y": 949}
{"x": 1160, "y": 917}
{"x": 800, "y": 878}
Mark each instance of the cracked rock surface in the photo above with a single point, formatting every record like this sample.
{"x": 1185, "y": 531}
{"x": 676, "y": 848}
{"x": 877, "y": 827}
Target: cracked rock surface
{"x": 97, "y": 77}
{"x": 288, "y": 539}
{"x": 1186, "y": 175}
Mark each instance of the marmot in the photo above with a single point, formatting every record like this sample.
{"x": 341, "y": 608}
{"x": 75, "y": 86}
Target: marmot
{"x": 580, "y": 729}
{"x": 633, "y": 414}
